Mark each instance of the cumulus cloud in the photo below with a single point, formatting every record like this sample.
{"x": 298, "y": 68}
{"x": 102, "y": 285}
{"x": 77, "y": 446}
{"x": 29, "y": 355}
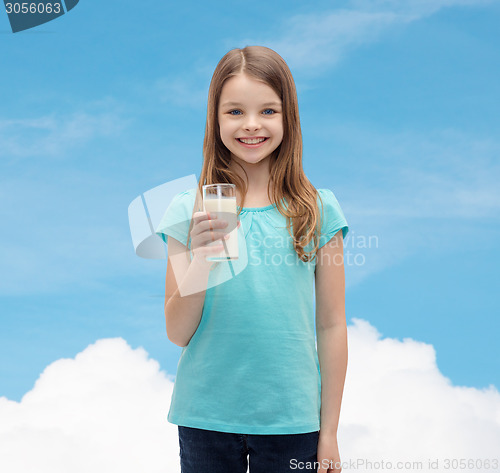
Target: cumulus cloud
{"x": 398, "y": 406}
{"x": 105, "y": 410}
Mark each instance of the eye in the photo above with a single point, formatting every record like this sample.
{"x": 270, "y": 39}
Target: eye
{"x": 266, "y": 110}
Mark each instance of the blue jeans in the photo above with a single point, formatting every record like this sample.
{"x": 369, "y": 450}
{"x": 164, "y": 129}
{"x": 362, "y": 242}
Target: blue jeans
{"x": 209, "y": 451}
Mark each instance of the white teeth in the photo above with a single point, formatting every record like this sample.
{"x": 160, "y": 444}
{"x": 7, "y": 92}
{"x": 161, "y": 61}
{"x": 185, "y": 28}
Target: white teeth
{"x": 252, "y": 142}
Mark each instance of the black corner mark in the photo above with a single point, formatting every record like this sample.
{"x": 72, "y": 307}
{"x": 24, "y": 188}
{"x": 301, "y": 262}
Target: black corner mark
{"x": 30, "y": 13}
{"x": 70, "y": 4}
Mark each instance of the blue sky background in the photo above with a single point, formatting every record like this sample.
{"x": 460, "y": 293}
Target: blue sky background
{"x": 398, "y": 105}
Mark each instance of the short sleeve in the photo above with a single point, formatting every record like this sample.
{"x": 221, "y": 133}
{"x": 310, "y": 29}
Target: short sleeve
{"x": 332, "y": 217}
{"x": 177, "y": 218}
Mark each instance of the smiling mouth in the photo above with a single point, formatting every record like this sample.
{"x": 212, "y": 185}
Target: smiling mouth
{"x": 252, "y": 141}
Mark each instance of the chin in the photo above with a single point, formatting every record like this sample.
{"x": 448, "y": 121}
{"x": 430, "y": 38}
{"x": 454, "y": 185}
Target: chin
{"x": 249, "y": 158}
{"x": 252, "y": 161}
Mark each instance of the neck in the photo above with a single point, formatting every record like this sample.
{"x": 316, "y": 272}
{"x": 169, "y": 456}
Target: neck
{"x": 258, "y": 177}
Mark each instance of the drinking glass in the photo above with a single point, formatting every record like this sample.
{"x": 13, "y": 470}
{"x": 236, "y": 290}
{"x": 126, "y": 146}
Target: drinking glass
{"x": 220, "y": 200}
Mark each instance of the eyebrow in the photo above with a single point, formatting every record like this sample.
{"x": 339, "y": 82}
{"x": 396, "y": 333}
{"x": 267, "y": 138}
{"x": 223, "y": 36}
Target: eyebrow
{"x": 268, "y": 104}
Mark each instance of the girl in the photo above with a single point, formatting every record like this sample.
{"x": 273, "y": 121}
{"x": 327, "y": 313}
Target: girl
{"x": 251, "y": 384}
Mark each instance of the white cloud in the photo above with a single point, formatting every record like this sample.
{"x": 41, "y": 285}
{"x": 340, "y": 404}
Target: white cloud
{"x": 320, "y": 40}
{"x": 416, "y": 192}
{"x": 439, "y": 174}
{"x": 419, "y": 8}
{"x": 311, "y": 42}
{"x": 182, "y": 91}
{"x": 316, "y": 41}
{"x": 398, "y": 406}
{"x": 105, "y": 410}
{"x": 51, "y": 222}
{"x": 56, "y": 133}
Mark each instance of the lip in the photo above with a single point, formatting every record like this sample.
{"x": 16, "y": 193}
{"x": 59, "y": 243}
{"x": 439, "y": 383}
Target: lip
{"x": 256, "y": 145}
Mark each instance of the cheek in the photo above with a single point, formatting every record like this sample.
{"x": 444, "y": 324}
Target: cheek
{"x": 225, "y": 133}
{"x": 278, "y": 128}
{"x": 228, "y": 132}
{"x": 224, "y": 127}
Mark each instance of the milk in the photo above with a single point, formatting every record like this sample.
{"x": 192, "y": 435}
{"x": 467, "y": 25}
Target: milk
{"x": 225, "y": 209}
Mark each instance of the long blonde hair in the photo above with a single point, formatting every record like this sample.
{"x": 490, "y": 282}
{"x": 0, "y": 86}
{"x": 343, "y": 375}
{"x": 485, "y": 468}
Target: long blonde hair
{"x": 287, "y": 177}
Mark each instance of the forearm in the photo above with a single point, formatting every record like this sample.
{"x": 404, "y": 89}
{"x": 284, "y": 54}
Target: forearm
{"x": 332, "y": 355}
{"x": 184, "y": 308}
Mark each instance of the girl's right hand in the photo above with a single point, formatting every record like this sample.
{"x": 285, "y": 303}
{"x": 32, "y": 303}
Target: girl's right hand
{"x": 207, "y": 229}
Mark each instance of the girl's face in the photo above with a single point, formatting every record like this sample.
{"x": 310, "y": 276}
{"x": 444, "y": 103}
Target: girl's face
{"x": 250, "y": 110}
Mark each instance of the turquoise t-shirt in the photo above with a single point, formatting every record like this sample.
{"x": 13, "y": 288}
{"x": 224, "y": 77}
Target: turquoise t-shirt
{"x": 252, "y": 365}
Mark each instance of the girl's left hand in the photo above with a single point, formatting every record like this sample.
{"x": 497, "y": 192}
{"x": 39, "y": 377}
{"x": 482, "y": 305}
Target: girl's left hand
{"x": 328, "y": 454}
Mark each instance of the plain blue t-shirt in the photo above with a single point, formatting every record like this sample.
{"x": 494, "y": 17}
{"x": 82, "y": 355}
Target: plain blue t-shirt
{"x": 252, "y": 365}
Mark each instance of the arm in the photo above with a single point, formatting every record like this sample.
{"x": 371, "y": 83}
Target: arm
{"x": 186, "y": 289}
{"x": 331, "y": 331}
{"x": 184, "y": 293}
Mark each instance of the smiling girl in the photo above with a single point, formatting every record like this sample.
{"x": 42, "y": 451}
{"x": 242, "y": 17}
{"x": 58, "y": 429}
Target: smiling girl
{"x": 252, "y": 383}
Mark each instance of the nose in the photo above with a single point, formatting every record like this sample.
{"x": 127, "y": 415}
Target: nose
{"x": 252, "y": 124}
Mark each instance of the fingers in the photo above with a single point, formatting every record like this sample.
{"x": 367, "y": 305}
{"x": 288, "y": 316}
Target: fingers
{"x": 209, "y": 250}
{"x": 207, "y": 228}
{"x": 201, "y": 216}
{"x": 208, "y": 221}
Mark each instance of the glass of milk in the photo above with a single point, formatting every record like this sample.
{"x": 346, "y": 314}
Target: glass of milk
{"x": 220, "y": 200}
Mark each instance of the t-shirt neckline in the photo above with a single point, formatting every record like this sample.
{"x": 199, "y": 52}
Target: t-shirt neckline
{"x": 256, "y": 209}
{"x": 260, "y": 209}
